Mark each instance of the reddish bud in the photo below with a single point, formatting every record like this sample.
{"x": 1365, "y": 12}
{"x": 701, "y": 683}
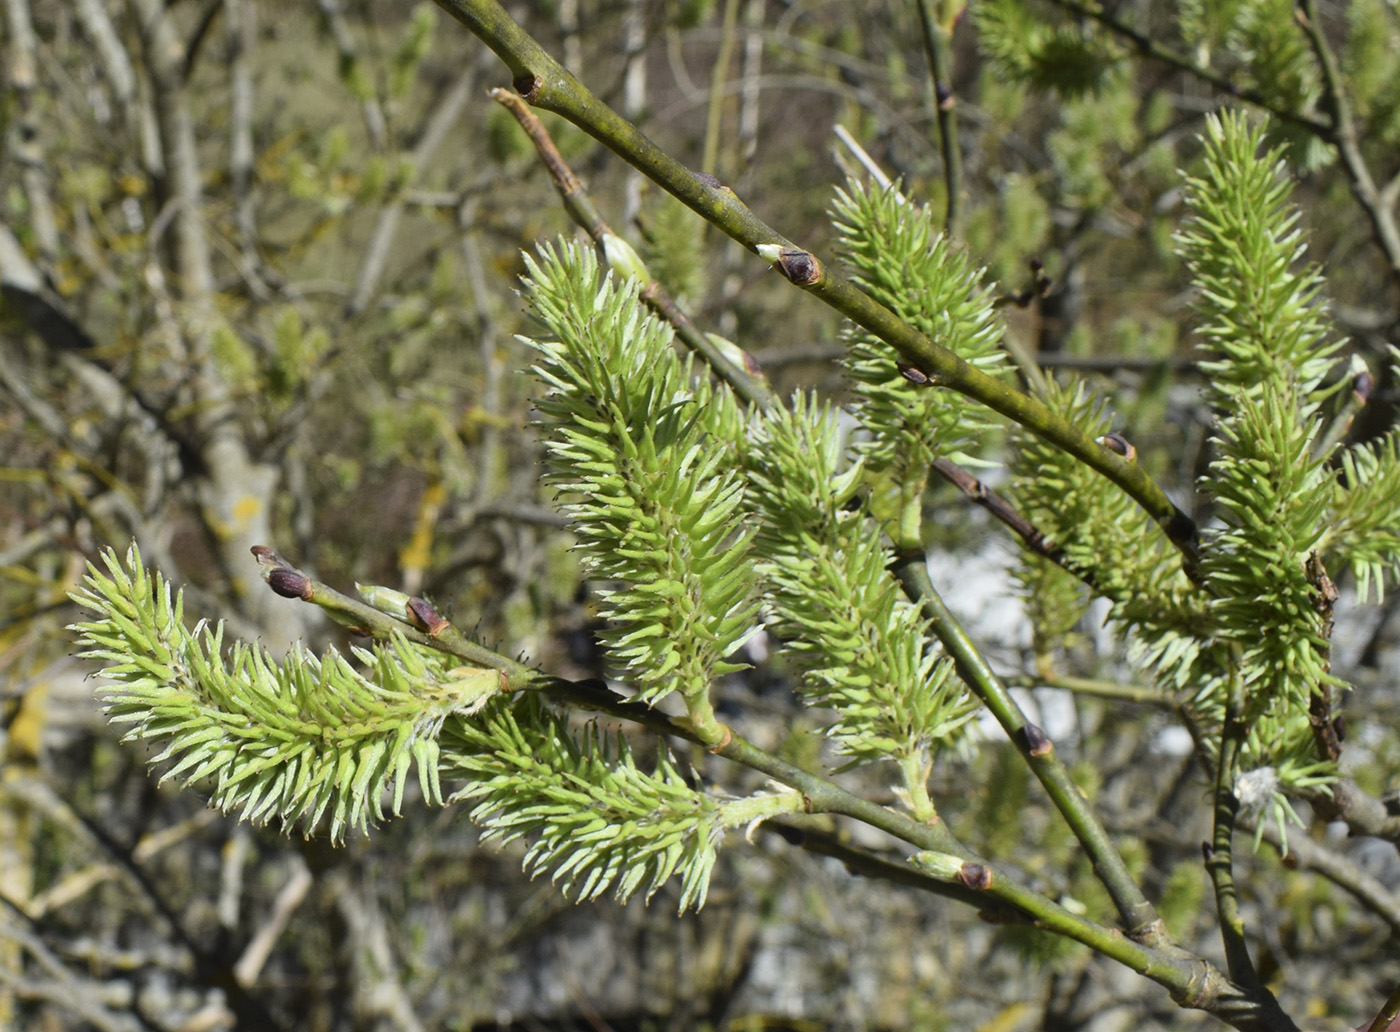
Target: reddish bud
{"x": 800, "y": 267}
{"x": 976, "y": 876}
{"x": 289, "y": 583}
{"x": 1037, "y": 742}
{"x": 267, "y": 557}
{"x": 427, "y": 616}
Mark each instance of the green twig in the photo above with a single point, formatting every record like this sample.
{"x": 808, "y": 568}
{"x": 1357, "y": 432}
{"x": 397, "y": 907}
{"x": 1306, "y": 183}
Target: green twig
{"x": 1191, "y": 981}
{"x": 546, "y": 84}
{"x": 719, "y": 75}
{"x": 1139, "y": 917}
{"x": 1112, "y": 690}
{"x": 1389, "y": 1014}
{"x": 1220, "y": 856}
{"x": 936, "y": 47}
{"x": 743, "y": 374}
{"x": 895, "y": 870}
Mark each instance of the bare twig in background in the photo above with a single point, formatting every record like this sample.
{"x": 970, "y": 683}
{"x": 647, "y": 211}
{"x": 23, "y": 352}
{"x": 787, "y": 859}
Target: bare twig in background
{"x": 353, "y": 71}
{"x": 26, "y": 135}
{"x": 1342, "y": 135}
{"x": 259, "y": 947}
{"x": 939, "y": 51}
{"x": 445, "y": 114}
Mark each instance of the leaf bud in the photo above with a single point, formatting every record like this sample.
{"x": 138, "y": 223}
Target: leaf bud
{"x": 800, "y": 267}
{"x": 735, "y": 354}
{"x": 427, "y": 616}
{"x": 975, "y": 876}
{"x": 289, "y": 583}
{"x": 1037, "y": 742}
{"x": 1116, "y": 442}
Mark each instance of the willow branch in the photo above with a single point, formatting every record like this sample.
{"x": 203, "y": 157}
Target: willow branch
{"x": 352, "y": 70}
{"x": 893, "y": 871}
{"x": 1031, "y": 536}
{"x": 744, "y": 377}
{"x": 1219, "y": 855}
{"x": 544, "y": 83}
{"x": 719, "y": 76}
{"x": 1386, "y": 1018}
{"x": 1111, "y": 690}
{"x": 1139, "y": 917}
{"x": 1190, "y": 980}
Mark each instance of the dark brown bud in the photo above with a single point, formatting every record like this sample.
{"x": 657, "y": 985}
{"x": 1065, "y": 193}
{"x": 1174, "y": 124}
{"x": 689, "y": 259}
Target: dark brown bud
{"x": 976, "y": 876}
{"x": 267, "y": 557}
{"x": 914, "y": 374}
{"x": 427, "y": 616}
{"x": 289, "y": 583}
{"x": 800, "y": 267}
{"x": 1116, "y": 442}
{"x": 1037, "y": 742}
{"x": 710, "y": 179}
